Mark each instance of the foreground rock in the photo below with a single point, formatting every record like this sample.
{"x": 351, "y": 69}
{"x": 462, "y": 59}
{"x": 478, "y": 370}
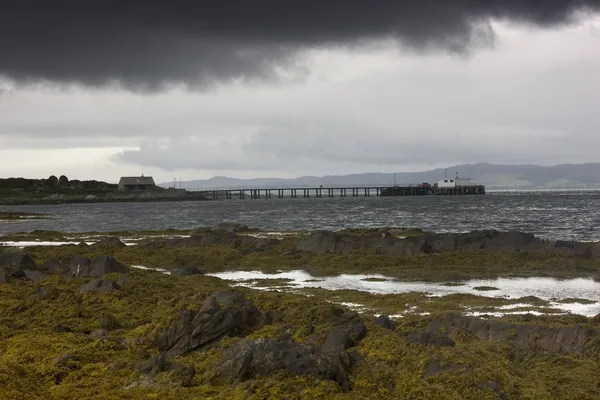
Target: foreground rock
{"x": 222, "y": 314}
{"x": 564, "y": 339}
{"x": 249, "y": 359}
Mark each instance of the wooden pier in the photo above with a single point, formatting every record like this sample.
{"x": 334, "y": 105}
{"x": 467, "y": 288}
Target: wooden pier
{"x": 330, "y": 192}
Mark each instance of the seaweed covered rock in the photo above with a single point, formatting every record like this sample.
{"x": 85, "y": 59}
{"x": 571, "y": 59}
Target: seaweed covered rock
{"x": 249, "y": 359}
{"x": 108, "y": 242}
{"x": 83, "y": 267}
{"x": 566, "y": 339}
{"x": 222, "y": 314}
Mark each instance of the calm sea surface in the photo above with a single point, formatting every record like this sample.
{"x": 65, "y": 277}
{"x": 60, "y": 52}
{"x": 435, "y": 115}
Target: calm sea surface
{"x": 561, "y": 215}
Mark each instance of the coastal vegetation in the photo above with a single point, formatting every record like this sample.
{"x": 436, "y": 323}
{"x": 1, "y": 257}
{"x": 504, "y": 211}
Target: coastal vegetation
{"x": 81, "y": 321}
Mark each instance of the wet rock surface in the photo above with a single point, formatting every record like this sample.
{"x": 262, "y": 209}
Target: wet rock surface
{"x": 221, "y": 314}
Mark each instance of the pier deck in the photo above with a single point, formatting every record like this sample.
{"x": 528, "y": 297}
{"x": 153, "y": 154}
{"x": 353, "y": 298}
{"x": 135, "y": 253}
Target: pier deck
{"x": 358, "y": 191}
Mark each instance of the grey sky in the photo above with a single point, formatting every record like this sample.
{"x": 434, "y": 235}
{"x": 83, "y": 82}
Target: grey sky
{"x": 313, "y": 103}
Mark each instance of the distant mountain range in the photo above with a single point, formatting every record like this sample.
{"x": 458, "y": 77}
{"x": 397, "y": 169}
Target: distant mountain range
{"x": 493, "y": 176}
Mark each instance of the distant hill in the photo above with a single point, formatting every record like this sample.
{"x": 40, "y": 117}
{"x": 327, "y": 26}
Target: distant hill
{"x": 493, "y": 176}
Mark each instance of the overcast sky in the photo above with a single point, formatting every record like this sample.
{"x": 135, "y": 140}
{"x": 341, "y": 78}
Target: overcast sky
{"x": 289, "y": 93}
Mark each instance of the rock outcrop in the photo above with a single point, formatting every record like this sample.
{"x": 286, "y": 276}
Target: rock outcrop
{"x": 380, "y": 242}
{"x": 563, "y": 339}
{"x": 249, "y": 359}
{"x": 108, "y": 242}
{"x": 222, "y": 314}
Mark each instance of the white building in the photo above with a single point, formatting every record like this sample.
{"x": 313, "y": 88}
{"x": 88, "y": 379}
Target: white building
{"x": 450, "y": 183}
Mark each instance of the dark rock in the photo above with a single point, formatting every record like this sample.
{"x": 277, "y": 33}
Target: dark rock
{"x": 568, "y": 339}
{"x": 18, "y": 274}
{"x": 430, "y": 338}
{"x": 250, "y": 359}
{"x": 385, "y": 322}
{"x": 186, "y": 271}
{"x": 35, "y": 276}
{"x": 16, "y": 259}
{"x": 231, "y": 227}
{"x": 348, "y": 331}
{"x": 109, "y": 242}
{"x": 222, "y": 314}
{"x": 99, "y": 285}
{"x": 2, "y": 275}
{"x": 82, "y": 267}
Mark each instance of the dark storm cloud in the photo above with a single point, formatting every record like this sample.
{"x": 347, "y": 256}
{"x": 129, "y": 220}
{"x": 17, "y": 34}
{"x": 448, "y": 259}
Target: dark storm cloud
{"x": 148, "y": 43}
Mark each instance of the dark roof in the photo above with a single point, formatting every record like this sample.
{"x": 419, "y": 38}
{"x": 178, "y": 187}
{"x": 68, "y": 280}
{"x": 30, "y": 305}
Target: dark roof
{"x": 136, "y": 180}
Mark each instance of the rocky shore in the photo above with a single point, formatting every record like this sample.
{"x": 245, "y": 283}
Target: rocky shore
{"x": 80, "y": 321}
